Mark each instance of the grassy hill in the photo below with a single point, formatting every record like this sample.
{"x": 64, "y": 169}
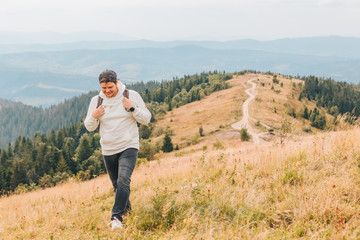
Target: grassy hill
{"x": 218, "y": 111}
{"x": 215, "y": 186}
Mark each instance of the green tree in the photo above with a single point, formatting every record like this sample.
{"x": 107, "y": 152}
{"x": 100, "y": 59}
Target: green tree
{"x": 59, "y": 138}
{"x": 68, "y": 154}
{"x": 319, "y": 121}
{"x": 201, "y": 131}
{"x": 244, "y": 136}
{"x": 306, "y": 113}
{"x": 144, "y": 131}
{"x": 167, "y": 144}
{"x": 2, "y": 180}
{"x": 84, "y": 150}
{"x": 61, "y": 165}
{"x": 18, "y": 174}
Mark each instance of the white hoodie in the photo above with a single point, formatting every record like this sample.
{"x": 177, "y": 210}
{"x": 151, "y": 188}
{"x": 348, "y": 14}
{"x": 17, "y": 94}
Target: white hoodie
{"x": 118, "y": 128}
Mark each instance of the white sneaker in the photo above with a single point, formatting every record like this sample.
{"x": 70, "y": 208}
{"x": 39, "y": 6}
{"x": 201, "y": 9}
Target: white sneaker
{"x": 115, "y": 223}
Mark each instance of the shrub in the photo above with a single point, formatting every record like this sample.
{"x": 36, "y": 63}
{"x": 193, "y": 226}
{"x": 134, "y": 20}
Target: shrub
{"x": 275, "y": 80}
{"x": 21, "y": 188}
{"x": 218, "y": 145}
{"x": 141, "y": 161}
{"x": 83, "y": 176}
{"x": 144, "y": 131}
{"x": 158, "y": 131}
{"x": 244, "y": 136}
{"x": 60, "y": 177}
{"x": 147, "y": 150}
{"x": 307, "y": 129}
{"x": 45, "y": 181}
{"x": 195, "y": 139}
{"x": 292, "y": 178}
{"x": 291, "y": 111}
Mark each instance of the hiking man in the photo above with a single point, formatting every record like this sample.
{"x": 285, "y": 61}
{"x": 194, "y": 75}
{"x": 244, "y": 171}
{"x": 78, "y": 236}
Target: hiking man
{"x": 117, "y": 110}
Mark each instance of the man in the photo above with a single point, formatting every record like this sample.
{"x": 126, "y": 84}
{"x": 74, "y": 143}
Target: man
{"x": 118, "y": 117}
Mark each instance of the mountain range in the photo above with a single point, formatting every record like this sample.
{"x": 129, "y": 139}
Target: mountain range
{"x": 46, "y": 74}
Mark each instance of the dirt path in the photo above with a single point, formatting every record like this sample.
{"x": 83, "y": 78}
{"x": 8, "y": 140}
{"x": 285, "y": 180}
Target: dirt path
{"x": 244, "y": 123}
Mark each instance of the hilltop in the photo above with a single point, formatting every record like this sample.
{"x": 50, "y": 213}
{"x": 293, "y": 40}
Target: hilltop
{"x": 217, "y": 186}
{"x": 275, "y": 104}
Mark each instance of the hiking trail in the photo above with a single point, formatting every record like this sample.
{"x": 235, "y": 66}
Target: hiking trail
{"x": 244, "y": 122}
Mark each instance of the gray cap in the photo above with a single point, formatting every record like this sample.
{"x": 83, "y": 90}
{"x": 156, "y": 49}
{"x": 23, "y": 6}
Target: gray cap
{"x": 107, "y": 76}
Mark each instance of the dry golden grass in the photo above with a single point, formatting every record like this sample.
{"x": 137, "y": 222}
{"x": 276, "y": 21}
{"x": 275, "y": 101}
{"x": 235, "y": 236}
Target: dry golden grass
{"x": 307, "y": 188}
{"x": 263, "y": 109}
{"x": 218, "y": 110}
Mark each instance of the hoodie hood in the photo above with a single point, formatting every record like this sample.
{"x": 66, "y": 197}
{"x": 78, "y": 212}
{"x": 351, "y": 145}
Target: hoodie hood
{"x": 116, "y": 98}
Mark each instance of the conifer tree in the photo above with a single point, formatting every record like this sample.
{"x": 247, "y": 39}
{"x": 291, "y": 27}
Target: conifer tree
{"x": 62, "y": 166}
{"x": 18, "y": 175}
{"x": 60, "y": 138}
{"x": 201, "y": 131}
{"x": 306, "y": 113}
{"x": 2, "y": 180}
{"x": 68, "y": 154}
{"x": 84, "y": 150}
{"x": 167, "y": 144}
{"x": 10, "y": 151}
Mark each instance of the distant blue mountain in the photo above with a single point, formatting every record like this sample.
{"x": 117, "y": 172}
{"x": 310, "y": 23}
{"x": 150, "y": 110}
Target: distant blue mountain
{"x": 348, "y": 47}
{"x": 46, "y": 74}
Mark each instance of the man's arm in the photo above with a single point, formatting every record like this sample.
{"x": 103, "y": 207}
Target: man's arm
{"x": 141, "y": 113}
{"x": 92, "y": 118}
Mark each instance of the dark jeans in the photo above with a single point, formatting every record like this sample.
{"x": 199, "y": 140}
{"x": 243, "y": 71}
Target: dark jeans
{"x": 120, "y": 167}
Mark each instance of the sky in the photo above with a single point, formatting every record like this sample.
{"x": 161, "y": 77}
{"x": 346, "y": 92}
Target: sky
{"x": 164, "y": 20}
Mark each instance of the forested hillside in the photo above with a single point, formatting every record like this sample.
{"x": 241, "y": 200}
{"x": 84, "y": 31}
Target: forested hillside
{"x": 43, "y": 160}
{"x": 336, "y": 97}
{"x": 17, "y": 119}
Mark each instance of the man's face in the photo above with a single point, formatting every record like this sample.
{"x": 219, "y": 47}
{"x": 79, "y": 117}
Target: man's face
{"x": 109, "y": 89}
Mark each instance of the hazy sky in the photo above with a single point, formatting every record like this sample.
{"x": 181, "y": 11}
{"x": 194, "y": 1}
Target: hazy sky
{"x": 186, "y": 19}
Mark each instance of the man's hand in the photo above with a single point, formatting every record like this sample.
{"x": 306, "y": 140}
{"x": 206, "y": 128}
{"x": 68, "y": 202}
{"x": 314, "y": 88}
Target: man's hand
{"x": 128, "y": 103}
{"x": 98, "y": 112}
